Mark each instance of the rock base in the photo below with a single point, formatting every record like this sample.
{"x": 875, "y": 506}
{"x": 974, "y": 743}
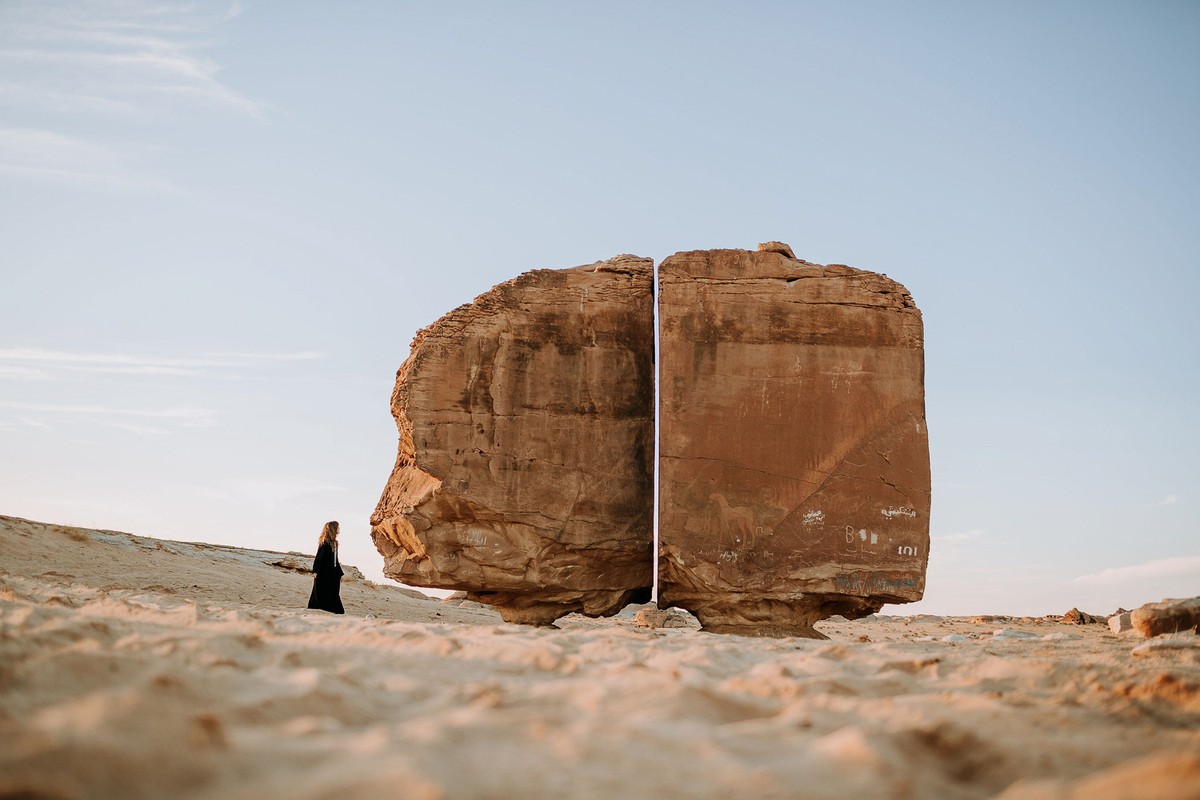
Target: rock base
{"x": 543, "y": 608}
{"x": 748, "y": 615}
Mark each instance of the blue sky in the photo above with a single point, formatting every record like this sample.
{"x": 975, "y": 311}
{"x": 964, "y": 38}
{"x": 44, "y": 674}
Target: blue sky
{"x": 223, "y": 223}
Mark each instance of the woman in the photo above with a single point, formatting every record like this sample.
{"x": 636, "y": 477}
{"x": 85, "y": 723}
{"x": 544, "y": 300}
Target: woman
{"x": 327, "y": 584}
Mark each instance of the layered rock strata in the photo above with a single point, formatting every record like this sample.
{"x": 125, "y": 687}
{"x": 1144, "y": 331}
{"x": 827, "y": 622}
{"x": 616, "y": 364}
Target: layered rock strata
{"x": 524, "y": 473}
{"x": 794, "y": 471}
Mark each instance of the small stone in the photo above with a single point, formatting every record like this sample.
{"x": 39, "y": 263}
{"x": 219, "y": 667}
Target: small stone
{"x": 955, "y": 637}
{"x": 678, "y": 618}
{"x": 1121, "y": 622}
{"x": 207, "y": 733}
{"x": 650, "y": 617}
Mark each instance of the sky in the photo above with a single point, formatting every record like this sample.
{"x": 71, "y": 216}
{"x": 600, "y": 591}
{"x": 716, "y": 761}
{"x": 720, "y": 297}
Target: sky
{"x": 221, "y": 224}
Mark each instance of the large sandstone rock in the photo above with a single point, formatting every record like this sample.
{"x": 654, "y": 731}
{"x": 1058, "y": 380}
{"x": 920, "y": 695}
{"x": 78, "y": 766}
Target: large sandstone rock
{"x": 524, "y": 474}
{"x": 1168, "y": 616}
{"x": 794, "y": 457}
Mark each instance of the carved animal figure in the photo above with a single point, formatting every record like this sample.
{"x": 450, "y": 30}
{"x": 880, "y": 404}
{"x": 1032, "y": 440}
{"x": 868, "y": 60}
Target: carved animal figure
{"x": 736, "y": 529}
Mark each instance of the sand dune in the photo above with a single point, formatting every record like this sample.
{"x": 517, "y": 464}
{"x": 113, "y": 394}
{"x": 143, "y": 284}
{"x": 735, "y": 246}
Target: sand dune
{"x": 138, "y": 668}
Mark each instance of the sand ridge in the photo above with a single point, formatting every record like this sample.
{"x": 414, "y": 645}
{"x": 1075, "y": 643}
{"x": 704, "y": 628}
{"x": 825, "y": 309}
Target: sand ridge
{"x": 132, "y": 667}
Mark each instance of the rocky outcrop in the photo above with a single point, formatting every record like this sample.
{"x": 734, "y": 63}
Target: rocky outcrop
{"x": 794, "y": 465}
{"x": 1077, "y": 617}
{"x": 1168, "y": 616}
{"x": 524, "y": 474}
{"x": 777, "y": 247}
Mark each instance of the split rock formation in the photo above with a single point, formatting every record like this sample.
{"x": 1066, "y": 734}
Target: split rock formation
{"x": 794, "y": 465}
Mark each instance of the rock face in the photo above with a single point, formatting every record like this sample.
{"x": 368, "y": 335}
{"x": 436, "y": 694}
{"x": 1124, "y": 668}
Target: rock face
{"x": 794, "y": 466}
{"x": 1077, "y": 617}
{"x": 776, "y": 247}
{"x": 525, "y": 473}
{"x": 794, "y": 471}
{"x": 1168, "y": 616}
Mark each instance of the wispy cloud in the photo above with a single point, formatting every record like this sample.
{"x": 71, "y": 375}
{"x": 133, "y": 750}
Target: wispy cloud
{"x": 37, "y": 364}
{"x": 39, "y": 148}
{"x": 142, "y": 421}
{"x": 16, "y": 372}
{"x": 23, "y": 424}
{"x": 68, "y": 64}
{"x": 1169, "y": 500}
{"x": 961, "y": 536}
{"x": 124, "y": 50}
{"x": 273, "y": 490}
{"x": 47, "y": 155}
{"x": 1178, "y": 566}
{"x": 64, "y": 368}
{"x": 140, "y": 430}
{"x": 264, "y": 491}
{"x": 181, "y": 414}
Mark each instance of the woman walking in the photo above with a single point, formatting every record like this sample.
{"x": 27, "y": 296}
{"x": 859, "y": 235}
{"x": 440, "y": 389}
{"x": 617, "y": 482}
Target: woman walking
{"x": 327, "y": 585}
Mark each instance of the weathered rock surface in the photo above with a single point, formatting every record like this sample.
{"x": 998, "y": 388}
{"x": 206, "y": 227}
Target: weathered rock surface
{"x": 651, "y": 617}
{"x": 1077, "y": 617}
{"x": 524, "y": 473}
{"x": 777, "y": 247}
{"x": 1121, "y": 622}
{"x": 794, "y": 456}
{"x": 1168, "y": 616}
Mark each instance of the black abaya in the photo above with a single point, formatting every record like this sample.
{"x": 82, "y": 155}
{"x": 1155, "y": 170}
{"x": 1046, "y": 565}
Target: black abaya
{"x": 327, "y": 585}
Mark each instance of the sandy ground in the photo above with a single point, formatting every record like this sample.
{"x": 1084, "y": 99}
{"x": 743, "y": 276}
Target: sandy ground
{"x": 133, "y": 667}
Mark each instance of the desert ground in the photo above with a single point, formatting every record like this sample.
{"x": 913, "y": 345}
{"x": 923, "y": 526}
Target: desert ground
{"x": 133, "y": 667}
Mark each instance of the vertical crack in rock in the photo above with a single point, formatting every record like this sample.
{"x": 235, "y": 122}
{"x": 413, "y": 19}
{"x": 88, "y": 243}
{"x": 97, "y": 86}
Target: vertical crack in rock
{"x": 794, "y": 464}
{"x": 524, "y": 473}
